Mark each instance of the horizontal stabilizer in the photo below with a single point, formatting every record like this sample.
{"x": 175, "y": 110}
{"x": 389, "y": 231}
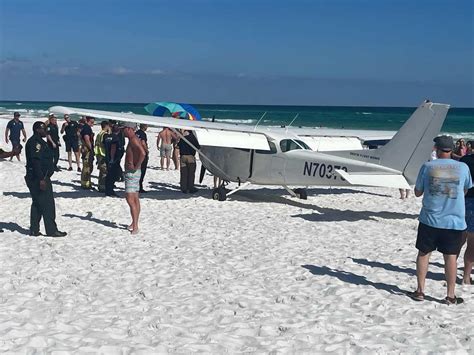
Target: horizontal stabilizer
{"x": 376, "y": 179}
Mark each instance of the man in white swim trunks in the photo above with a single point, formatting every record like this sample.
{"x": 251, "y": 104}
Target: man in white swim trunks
{"x": 165, "y": 137}
{"x": 134, "y": 156}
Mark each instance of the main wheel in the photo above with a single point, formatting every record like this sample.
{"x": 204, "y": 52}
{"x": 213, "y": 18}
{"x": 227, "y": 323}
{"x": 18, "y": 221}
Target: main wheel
{"x": 301, "y": 193}
{"x": 219, "y": 194}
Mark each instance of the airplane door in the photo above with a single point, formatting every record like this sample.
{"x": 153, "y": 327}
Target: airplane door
{"x": 278, "y": 169}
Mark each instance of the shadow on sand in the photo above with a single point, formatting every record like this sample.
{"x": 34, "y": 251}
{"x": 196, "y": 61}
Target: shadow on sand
{"x": 88, "y": 217}
{"x": 323, "y": 214}
{"x": 395, "y": 268}
{"x": 355, "y": 279}
{"x": 14, "y": 227}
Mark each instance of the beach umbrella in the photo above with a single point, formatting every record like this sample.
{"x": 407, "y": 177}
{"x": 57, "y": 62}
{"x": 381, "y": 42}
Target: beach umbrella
{"x": 178, "y": 110}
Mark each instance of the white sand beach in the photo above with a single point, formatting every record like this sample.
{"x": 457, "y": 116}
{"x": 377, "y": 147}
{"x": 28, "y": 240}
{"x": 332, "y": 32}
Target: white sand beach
{"x": 259, "y": 273}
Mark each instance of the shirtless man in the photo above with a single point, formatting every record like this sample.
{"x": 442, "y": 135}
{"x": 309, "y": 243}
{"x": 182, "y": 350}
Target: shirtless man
{"x": 134, "y": 156}
{"x": 165, "y": 137}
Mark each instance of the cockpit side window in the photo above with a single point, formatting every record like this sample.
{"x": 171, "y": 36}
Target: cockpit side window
{"x": 272, "y": 150}
{"x": 292, "y": 144}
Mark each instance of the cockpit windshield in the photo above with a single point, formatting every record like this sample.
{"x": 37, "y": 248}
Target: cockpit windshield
{"x": 292, "y": 144}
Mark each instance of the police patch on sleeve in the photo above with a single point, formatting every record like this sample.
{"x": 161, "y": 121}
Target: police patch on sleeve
{"x": 38, "y": 147}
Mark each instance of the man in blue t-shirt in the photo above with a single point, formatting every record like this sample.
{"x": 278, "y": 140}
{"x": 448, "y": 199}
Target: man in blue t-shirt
{"x": 442, "y": 183}
{"x": 15, "y": 127}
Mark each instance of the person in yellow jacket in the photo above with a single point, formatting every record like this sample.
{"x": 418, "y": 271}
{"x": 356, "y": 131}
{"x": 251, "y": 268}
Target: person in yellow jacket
{"x": 99, "y": 151}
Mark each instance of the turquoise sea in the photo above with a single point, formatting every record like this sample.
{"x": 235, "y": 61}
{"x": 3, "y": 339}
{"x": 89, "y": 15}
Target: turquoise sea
{"x": 460, "y": 121}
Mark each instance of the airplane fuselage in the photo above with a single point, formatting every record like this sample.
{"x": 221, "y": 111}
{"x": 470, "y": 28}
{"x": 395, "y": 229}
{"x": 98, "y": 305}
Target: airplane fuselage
{"x": 297, "y": 167}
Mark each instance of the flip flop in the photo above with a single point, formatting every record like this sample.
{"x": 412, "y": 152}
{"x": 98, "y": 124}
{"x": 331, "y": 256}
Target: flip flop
{"x": 416, "y": 296}
{"x": 453, "y": 300}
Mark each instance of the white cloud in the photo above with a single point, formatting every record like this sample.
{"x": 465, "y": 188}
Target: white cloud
{"x": 157, "y": 72}
{"x": 121, "y": 71}
{"x": 65, "y": 71}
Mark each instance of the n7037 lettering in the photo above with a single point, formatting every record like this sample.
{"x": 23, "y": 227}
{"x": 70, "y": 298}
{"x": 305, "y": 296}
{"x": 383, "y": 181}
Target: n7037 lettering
{"x": 322, "y": 170}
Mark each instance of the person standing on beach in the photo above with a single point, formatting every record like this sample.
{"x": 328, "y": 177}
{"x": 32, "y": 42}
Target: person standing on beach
{"x": 143, "y": 140}
{"x": 442, "y": 183}
{"x": 99, "y": 151}
{"x": 165, "y": 137}
{"x": 70, "y": 129}
{"x": 112, "y": 158}
{"x": 134, "y": 156}
{"x": 39, "y": 169}
{"x": 52, "y": 131}
{"x": 468, "y": 159}
{"x": 87, "y": 137}
{"x": 188, "y": 161}
{"x": 15, "y": 127}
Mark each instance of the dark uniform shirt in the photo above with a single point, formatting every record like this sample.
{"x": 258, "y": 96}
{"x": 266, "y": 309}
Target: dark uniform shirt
{"x": 110, "y": 141}
{"x": 121, "y": 145}
{"x": 185, "y": 148}
{"x": 39, "y": 158}
{"x": 15, "y": 129}
{"x": 142, "y": 136}
{"x": 53, "y": 131}
{"x": 469, "y": 161}
{"x": 71, "y": 131}
{"x": 87, "y": 131}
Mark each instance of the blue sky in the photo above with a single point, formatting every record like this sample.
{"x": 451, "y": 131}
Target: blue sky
{"x": 311, "y": 52}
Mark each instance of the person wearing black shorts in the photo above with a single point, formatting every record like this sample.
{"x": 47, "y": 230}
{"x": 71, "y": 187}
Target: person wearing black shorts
{"x": 446, "y": 241}
{"x": 442, "y": 183}
{"x": 70, "y": 129}
{"x": 14, "y": 128}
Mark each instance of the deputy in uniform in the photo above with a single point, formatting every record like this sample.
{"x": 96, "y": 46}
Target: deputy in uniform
{"x": 54, "y": 143}
{"x": 188, "y": 161}
{"x": 39, "y": 168}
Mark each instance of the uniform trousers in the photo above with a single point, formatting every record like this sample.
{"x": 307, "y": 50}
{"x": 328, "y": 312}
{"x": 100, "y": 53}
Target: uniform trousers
{"x": 102, "y": 166}
{"x": 187, "y": 170}
{"x": 42, "y": 206}
{"x": 87, "y": 167}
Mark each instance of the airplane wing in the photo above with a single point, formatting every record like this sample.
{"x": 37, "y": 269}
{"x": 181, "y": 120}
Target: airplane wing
{"x": 208, "y": 133}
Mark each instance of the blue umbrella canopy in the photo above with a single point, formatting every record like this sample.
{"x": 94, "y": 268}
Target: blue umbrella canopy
{"x": 174, "y": 109}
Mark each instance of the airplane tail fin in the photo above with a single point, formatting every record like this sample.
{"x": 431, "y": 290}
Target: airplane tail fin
{"x": 413, "y": 143}
{"x": 408, "y": 149}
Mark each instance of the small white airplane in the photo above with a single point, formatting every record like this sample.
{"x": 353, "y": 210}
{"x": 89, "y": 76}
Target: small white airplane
{"x": 300, "y": 157}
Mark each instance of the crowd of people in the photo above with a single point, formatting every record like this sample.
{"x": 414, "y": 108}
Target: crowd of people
{"x": 446, "y": 219}
{"x": 106, "y": 149}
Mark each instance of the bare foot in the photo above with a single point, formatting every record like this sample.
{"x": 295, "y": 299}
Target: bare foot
{"x": 130, "y": 227}
{"x": 134, "y": 231}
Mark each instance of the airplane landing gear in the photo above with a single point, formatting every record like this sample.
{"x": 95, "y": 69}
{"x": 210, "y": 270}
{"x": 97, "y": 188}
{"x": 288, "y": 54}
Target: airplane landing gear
{"x": 301, "y": 194}
{"x": 219, "y": 194}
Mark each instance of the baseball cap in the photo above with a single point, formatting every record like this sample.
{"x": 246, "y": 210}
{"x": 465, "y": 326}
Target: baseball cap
{"x": 444, "y": 143}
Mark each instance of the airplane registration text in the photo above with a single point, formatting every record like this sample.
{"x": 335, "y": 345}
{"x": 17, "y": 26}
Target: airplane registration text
{"x": 322, "y": 170}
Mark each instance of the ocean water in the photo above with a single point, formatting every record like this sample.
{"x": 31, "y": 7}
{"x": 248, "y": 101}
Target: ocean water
{"x": 459, "y": 122}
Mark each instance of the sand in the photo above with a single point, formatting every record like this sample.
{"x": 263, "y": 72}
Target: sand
{"x": 259, "y": 273}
